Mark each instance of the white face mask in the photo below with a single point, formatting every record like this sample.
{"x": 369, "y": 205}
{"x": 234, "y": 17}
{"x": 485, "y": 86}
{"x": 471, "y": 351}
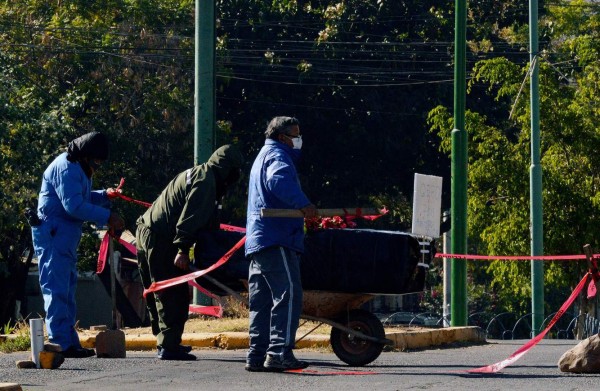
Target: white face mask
{"x": 297, "y": 142}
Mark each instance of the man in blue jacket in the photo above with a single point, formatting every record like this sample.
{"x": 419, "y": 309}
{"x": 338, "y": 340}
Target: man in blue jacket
{"x": 274, "y": 246}
{"x": 66, "y": 200}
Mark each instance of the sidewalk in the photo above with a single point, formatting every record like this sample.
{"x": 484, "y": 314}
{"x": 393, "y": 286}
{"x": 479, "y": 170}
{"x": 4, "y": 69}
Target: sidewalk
{"x": 403, "y": 340}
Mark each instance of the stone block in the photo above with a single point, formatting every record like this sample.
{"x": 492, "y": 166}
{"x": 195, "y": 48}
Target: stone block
{"x": 110, "y": 344}
{"x": 26, "y": 364}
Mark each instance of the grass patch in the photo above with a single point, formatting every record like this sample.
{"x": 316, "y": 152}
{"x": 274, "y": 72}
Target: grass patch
{"x": 19, "y": 343}
{"x": 17, "y": 338}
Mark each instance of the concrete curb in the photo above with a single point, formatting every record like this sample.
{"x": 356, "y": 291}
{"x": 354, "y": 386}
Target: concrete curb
{"x": 403, "y": 340}
{"x": 420, "y": 339}
{"x": 226, "y": 340}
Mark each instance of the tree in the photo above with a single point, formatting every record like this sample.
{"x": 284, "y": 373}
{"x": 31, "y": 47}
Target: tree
{"x": 499, "y": 155}
{"x": 360, "y": 76}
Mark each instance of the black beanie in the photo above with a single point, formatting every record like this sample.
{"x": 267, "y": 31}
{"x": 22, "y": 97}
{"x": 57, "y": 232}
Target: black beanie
{"x": 93, "y": 145}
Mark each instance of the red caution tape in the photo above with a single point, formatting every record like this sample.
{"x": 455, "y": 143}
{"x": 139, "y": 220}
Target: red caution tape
{"x": 156, "y": 286}
{"x": 593, "y": 266}
{"x": 117, "y": 193}
{"x": 210, "y": 310}
{"x": 130, "y": 247}
{"x": 358, "y": 214}
{"x": 515, "y": 257}
{"x": 216, "y": 311}
{"x": 531, "y": 343}
{"x": 233, "y": 228}
{"x": 591, "y": 291}
{"x": 102, "y": 254}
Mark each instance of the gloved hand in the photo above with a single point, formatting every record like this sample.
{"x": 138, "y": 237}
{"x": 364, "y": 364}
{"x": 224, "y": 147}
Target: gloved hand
{"x": 113, "y": 193}
{"x": 182, "y": 261}
{"x": 116, "y": 224}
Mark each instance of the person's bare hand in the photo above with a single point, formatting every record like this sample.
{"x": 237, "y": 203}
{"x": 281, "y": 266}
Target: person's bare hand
{"x": 182, "y": 261}
{"x": 309, "y": 211}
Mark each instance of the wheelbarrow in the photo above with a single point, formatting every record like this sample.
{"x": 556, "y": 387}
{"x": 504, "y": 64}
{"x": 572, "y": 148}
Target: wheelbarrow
{"x": 357, "y": 336}
{"x": 340, "y": 270}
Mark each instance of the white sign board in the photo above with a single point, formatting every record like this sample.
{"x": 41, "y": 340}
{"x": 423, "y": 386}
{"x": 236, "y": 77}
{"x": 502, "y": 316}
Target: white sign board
{"x": 427, "y": 205}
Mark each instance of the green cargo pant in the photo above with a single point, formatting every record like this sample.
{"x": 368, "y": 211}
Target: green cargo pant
{"x": 168, "y": 308}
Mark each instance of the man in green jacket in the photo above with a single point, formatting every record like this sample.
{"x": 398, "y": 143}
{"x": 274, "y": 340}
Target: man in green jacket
{"x": 167, "y": 231}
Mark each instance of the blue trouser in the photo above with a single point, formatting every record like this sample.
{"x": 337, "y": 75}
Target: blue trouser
{"x": 55, "y": 243}
{"x": 275, "y": 302}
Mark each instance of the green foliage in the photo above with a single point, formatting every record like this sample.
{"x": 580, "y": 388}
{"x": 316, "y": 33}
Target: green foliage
{"x": 19, "y": 343}
{"x": 432, "y": 299}
{"x": 18, "y": 338}
{"x": 8, "y": 328}
{"x": 399, "y": 216}
{"x": 87, "y": 252}
{"x": 498, "y": 194}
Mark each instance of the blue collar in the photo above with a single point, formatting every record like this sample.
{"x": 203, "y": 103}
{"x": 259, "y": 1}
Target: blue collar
{"x": 294, "y": 153}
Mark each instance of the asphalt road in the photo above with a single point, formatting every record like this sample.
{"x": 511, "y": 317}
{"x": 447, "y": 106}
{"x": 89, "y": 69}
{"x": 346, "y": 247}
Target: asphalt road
{"x": 432, "y": 369}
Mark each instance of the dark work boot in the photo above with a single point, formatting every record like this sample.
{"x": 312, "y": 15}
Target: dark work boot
{"x": 255, "y": 367}
{"x": 182, "y": 348}
{"x": 176, "y": 355}
{"x": 80, "y": 352}
{"x": 278, "y": 364}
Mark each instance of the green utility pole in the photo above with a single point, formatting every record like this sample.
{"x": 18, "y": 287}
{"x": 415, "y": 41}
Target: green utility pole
{"x": 204, "y": 93}
{"x": 535, "y": 179}
{"x": 204, "y": 108}
{"x": 458, "y": 214}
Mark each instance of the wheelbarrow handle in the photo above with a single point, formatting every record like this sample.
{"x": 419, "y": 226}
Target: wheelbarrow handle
{"x": 320, "y": 212}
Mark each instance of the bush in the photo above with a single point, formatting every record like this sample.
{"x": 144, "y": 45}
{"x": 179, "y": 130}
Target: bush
{"x": 87, "y": 252}
{"x": 233, "y": 308}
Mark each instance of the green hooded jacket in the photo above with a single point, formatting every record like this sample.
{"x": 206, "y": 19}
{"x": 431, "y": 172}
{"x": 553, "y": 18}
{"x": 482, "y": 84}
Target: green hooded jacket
{"x": 188, "y": 204}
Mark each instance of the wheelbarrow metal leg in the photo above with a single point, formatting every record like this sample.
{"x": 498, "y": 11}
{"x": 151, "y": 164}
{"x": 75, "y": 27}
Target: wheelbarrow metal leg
{"x": 313, "y": 329}
{"x": 348, "y": 330}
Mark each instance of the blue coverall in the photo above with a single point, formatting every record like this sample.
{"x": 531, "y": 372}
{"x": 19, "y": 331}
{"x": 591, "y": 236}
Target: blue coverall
{"x": 66, "y": 200}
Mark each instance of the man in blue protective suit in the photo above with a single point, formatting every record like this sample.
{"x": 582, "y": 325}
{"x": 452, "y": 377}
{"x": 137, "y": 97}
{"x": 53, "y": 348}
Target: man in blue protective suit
{"x": 66, "y": 200}
{"x": 274, "y": 246}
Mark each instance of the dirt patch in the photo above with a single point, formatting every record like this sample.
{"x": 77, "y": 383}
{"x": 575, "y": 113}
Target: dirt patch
{"x": 205, "y": 325}
{"x": 213, "y": 325}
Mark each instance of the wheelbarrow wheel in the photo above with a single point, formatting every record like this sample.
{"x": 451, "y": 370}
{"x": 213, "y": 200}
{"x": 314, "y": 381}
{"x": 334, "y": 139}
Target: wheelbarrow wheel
{"x": 351, "y": 349}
